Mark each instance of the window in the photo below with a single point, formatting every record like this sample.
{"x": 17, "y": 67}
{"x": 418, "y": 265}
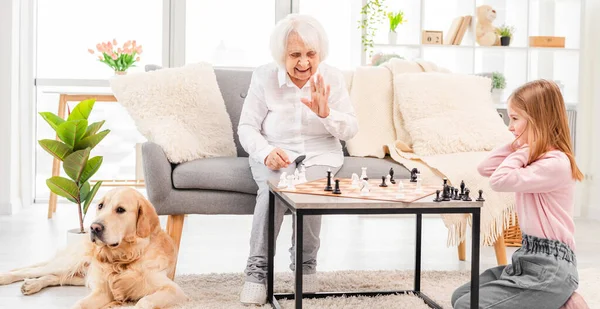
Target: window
{"x": 67, "y": 28}
{"x": 229, "y": 33}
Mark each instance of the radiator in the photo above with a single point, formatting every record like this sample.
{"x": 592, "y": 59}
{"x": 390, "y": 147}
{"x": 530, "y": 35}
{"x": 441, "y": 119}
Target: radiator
{"x": 571, "y": 114}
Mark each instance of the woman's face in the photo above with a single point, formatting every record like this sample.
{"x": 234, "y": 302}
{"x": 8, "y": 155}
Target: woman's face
{"x": 301, "y": 62}
{"x": 518, "y": 124}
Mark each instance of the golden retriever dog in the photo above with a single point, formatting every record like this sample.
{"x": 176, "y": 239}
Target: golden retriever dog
{"x": 128, "y": 258}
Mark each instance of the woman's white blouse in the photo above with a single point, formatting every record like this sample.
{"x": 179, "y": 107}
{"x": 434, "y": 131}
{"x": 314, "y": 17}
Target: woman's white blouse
{"x": 273, "y": 116}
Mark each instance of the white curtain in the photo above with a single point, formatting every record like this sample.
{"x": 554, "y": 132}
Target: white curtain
{"x": 588, "y": 114}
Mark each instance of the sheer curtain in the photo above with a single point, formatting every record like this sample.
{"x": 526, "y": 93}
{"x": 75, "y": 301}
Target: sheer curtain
{"x": 588, "y": 126}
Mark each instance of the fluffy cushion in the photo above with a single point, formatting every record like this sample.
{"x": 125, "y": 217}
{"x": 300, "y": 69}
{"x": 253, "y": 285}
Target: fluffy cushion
{"x": 180, "y": 109}
{"x": 449, "y": 113}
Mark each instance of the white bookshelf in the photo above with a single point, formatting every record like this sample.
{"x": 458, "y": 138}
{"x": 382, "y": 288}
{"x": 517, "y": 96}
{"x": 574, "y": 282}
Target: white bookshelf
{"x": 519, "y": 62}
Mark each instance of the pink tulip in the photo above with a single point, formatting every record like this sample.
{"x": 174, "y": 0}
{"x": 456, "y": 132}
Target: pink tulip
{"x": 133, "y": 43}
{"x": 98, "y": 46}
{"x": 100, "y": 57}
{"x": 138, "y": 49}
{"x": 114, "y": 42}
{"x": 137, "y": 59}
{"x": 109, "y": 45}
{"x": 119, "y": 50}
{"x": 114, "y": 56}
{"x": 91, "y": 51}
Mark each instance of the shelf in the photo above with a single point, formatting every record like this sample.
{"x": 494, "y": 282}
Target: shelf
{"x": 494, "y": 48}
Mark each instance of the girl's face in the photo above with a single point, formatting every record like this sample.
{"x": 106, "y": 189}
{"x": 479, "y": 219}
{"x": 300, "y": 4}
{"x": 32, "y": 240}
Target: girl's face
{"x": 518, "y": 124}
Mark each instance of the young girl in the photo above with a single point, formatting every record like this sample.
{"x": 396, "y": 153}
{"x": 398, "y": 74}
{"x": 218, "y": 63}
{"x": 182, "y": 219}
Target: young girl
{"x": 539, "y": 166}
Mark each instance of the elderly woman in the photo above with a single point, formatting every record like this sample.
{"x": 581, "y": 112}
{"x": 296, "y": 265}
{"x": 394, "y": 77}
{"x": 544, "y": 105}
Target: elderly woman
{"x": 296, "y": 112}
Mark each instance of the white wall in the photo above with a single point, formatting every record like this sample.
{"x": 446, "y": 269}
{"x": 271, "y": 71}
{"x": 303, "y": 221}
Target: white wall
{"x": 588, "y": 137}
{"x": 9, "y": 136}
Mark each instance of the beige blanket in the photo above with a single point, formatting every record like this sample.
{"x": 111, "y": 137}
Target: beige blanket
{"x": 456, "y": 167}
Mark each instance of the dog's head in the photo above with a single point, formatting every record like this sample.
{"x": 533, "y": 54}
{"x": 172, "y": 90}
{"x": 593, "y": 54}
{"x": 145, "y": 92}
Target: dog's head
{"x": 123, "y": 214}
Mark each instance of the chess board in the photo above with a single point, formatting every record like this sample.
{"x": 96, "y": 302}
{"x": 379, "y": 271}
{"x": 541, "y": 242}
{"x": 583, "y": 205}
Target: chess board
{"x": 316, "y": 187}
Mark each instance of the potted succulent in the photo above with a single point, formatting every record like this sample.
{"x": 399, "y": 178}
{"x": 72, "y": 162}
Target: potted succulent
{"x": 505, "y": 32}
{"x": 498, "y": 85}
{"x": 395, "y": 20}
{"x": 120, "y": 59}
{"x": 73, "y": 148}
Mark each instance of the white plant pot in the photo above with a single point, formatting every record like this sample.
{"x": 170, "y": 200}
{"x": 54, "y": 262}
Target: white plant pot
{"x": 497, "y": 95}
{"x": 75, "y": 237}
{"x": 392, "y": 37}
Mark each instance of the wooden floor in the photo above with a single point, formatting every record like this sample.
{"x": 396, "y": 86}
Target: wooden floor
{"x": 220, "y": 244}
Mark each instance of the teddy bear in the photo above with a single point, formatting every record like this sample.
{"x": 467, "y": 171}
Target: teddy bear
{"x": 485, "y": 32}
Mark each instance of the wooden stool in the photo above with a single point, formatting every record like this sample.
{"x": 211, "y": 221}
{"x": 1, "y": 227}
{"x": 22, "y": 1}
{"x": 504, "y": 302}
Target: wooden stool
{"x": 65, "y": 97}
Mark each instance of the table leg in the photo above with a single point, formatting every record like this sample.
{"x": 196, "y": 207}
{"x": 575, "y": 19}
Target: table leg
{"x": 418, "y": 254}
{"x": 62, "y": 105}
{"x": 299, "y": 248}
{"x": 475, "y": 259}
{"x": 271, "y": 247}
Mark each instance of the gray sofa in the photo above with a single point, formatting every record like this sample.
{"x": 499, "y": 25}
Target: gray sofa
{"x": 223, "y": 185}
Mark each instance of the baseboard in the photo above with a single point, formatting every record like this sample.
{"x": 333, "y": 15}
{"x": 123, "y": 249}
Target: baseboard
{"x": 16, "y": 205}
{"x": 7, "y": 209}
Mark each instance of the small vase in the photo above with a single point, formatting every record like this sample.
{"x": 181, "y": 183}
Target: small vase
{"x": 505, "y": 41}
{"x": 120, "y": 72}
{"x": 497, "y": 95}
{"x": 392, "y": 37}
{"x": 75, "y": 237}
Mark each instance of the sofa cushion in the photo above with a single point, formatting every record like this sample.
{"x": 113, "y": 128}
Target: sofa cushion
{"x": 223, "y": 174}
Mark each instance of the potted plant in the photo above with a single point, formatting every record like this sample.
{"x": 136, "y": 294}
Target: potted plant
{"x": 498, "y": 85}
{"x": 395, "y": 20}
{"x": 505, "y": 32}
{"x": 381, "y": 58}
{"x": 76, "y": 141}
{"x": 373, "y": 15}
{"x": 121, "y": 59}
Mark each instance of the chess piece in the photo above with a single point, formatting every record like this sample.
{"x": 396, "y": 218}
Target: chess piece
{"x": 336, "y": 190}
{"x": 446, "y": 193}
{"x": 392, "y": 180}
{"x": 437, "y": 196}
{"x": 413, "y": 175}
{"x": 302, "y": 177}
{"x": 445, "y": 182}
{"x": 290, "y": 182}
{"x": 462, "y": 188}
{"x": 383, "y": 184}
{"x": 355, "y": 181}
{"x": 419, "y": 181}
{"x": 282, "y": 180}
{"x": 480, "y": 198}
{"x": 363, "y": 175}
{"x": 456, "y": 195}
{"x": 388, "y": 179}
{"x": 364, "y": 187}
{"x": 400, "y": 192}
{"x": 328, "y": 187}
{"x": 466, "y": 197}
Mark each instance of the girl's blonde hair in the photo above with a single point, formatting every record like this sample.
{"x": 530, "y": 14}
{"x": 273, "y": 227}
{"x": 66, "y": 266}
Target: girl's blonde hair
{"x": 541, "y": 104}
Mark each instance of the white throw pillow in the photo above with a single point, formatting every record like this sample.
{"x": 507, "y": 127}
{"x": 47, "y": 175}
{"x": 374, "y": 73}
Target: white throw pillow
{"x": 449, "y": 113}
{"x": 180, "y": 109}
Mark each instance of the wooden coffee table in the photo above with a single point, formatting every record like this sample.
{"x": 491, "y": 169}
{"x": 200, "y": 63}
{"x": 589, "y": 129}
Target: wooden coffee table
{"x": 301, "y": 204}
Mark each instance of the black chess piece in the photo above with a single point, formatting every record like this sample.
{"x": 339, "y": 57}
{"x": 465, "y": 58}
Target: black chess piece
{"x": 446, "y": 194}
{"x": 437, "y": 196}
{"x": 445, "y": 182}
{"x": 413, "y": 175}
{"x": 328, "y": 187}
{"x": 466, "y": 197}
{"x": 337, "y": 187}
{"x": 392, "y": 180}
{"x": 462, "y": 188}
{"x": 480, "y": 198}
{"x": 383, "y": 184}
{"x": 456, "y": 195}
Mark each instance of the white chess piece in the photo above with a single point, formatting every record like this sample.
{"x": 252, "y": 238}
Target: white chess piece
{"x": 388, "y": 179}
{"x": 282, "y": 180}
{"x": 364, "y": 187}
{"x": 302, "y": 177}
{"x": 364, "y": 173}
{"x": 296, "y": 176}
{"x": 290, "y": 182}
{"x": 355, "y": 181}
{"x": 400, "y": 192}
{"x": 419, "y": 188}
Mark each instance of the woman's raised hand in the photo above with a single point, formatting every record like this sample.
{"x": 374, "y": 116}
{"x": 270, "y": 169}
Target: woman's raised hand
{"x": 319, "y": 96}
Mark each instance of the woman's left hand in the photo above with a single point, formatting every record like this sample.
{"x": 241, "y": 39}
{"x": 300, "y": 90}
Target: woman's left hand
{"x": 318, "y": 102}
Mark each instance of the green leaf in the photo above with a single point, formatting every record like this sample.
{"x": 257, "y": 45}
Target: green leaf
{"x": 93, "y": 128}
{"x": 53, "y": 120}
{"x": 90, "y": 197}
{"x": 56, "y": 148}
{"x": 75, "y": 163}
{"x": 92, "y": 140}
{"x": 63, "y": 187}
{"x": 91, "y": 168}
{"x": 70, "y": 132}
{"x": 82, "y": 110}
{"x": 84, "y": 191}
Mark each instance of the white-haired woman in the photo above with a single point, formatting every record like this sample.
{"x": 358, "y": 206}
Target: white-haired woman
{"x": 296, "y": 112}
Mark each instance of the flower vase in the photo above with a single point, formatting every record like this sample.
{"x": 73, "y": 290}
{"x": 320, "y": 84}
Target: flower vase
{"x": 392, "y": 37}
{"x": 75, "y": 237}
{"x": 120, "y": 72}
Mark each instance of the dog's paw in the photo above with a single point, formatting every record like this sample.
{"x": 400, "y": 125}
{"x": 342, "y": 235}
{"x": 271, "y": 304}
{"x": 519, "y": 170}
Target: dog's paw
{"x": 7, "y": 279}
{"x": 144, "y": 304}
{"x": 31, "y": 286}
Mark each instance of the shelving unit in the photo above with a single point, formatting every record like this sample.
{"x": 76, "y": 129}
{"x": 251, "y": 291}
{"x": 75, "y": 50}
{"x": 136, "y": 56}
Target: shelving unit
{"x": 519, "y": 62}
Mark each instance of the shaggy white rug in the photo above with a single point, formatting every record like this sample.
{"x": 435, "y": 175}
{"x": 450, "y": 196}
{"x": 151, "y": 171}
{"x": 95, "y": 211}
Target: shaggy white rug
{"x": 220, "y": 291}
